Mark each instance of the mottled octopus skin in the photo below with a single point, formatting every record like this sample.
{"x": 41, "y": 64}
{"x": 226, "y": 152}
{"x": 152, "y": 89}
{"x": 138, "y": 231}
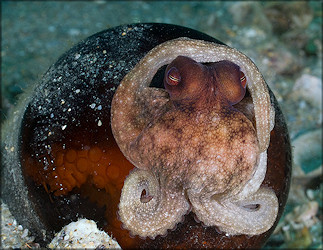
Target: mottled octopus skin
{"x": 202, "y": 155}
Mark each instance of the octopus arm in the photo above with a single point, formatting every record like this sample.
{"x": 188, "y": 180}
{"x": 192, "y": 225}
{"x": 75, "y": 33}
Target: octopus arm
{"x": 259, "y": 175}
{"x": 148, "y": 210}
{"x": 253, "y": 215}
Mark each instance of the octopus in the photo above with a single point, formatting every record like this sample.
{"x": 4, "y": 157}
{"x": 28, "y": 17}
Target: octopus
{"x": 192, "y": 149}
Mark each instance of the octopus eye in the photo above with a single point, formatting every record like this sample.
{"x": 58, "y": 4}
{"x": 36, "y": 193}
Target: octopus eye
{"x": 173, "y": 76}
{"x": 243, "y": 79}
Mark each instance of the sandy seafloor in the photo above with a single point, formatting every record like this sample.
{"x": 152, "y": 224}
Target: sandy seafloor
{"x": 284, "y": 39}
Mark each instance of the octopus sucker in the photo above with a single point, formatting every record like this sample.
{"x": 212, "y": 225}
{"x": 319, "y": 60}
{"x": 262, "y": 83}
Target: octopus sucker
{"x": 155, "y": 128}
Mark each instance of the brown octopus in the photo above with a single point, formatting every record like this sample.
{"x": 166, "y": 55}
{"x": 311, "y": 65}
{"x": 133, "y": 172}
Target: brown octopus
{"x": 192, "y": 149}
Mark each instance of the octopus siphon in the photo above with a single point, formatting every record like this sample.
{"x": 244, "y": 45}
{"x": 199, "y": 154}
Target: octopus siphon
{"x": 192, "y": 148}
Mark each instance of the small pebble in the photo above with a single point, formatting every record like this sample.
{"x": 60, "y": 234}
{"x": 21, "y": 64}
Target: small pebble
{"x": 25, "y": 233}
{"x": 309, "y": 88}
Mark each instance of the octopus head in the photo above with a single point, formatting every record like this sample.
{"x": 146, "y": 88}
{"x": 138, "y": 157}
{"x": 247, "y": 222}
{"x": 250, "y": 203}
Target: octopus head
{"x": 189, "y": 81}
{"x": 193, "y": 148}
